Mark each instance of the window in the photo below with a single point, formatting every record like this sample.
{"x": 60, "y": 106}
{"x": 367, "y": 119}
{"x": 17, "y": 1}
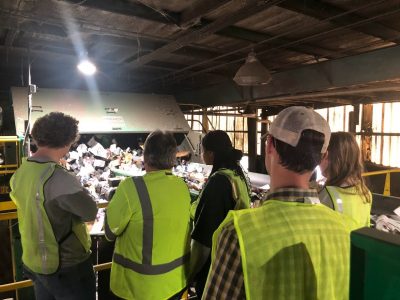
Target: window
{"x": 337, "y": 117}
{"x": 224, "y": 118}
{"x": 385, "y": 144}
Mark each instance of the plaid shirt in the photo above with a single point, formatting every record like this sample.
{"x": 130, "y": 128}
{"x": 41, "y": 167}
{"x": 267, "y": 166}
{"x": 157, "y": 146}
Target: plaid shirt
{"x": 225, "y": 280}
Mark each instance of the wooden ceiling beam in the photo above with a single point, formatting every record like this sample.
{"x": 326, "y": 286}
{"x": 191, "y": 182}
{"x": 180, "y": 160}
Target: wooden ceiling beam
{"x": 196, "y": 11}
{"x": 200, "y": 8}
{"x": 251, "y": 7}
{"x": 146, "y": 43}
{"x": 321, "y": 11}
{"x": 175, "y": 75}
{"x": 131, "y": 9}
{"x": 10, "y": 37}
{"x": 256, "y": 37}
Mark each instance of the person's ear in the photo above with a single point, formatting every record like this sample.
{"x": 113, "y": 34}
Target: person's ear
{"x": 269, "y": 145}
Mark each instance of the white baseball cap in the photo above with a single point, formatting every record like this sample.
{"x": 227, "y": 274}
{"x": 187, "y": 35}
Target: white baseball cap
{"x": 292, "y": 121}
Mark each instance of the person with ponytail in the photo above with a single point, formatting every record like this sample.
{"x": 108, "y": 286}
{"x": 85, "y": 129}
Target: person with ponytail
{"x": 345, "y": 190}
{"x": 227, "y": 189}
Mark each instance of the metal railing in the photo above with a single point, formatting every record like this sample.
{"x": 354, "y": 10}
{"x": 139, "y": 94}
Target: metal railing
{"x": 27, "y": 283}
{"x": 9, "y": 205}
{"x": 10, "y": 215}
{"x": 386, "y": 189}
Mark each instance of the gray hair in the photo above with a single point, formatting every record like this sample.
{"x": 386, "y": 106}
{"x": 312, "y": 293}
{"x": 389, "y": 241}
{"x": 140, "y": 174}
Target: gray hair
{"x": 160, "y": 150}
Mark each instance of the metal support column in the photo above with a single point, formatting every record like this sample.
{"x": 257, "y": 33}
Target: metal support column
{"x": 366, "y": 129}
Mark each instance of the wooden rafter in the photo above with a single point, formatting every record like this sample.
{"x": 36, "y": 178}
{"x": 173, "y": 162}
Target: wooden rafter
{"x": 322, "y": 11}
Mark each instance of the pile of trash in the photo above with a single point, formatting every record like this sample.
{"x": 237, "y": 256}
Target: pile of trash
{"x": 388, "y": 223}
{"x": 100, "y": 169}
{"x": 96, "y": 167}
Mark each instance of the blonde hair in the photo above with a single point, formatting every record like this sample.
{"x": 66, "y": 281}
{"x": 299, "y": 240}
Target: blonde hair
{"x": 345, "y": 163}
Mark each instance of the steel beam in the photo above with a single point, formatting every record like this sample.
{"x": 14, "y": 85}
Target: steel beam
{"x": 321, "y": 78}
{"x": 128, "y": 8}
{"x": 197, "y": 10}
{"x": 374, "y": 66}
{"x": 10, "y": 37}
{"x": 321, "y": 10}
{"x": 107, "y": 36}
{"x": 257, "y": 37}
{"x": 249, "y": 9}
{"x": 192, "y": 16}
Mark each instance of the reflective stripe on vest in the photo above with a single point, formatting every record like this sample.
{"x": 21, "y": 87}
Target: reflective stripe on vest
{"x": 146, "y": 267}
{"x": 337, "y": 199}
{"x": 40, "y": 247}
{"x": 235, "y": 180}
{"x": 41, "y": 235}
{"x": 148, "y": 221}
{"x": 150, "y": 269}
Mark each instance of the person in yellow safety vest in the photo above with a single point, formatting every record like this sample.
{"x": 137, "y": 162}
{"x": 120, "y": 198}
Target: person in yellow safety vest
{"x": 149, "y": 217}
{"x": 52, "y": 207}
{"x": 291, "y": 247}
{"x": 226, "y": 189}
{"x": 345, "y": 190}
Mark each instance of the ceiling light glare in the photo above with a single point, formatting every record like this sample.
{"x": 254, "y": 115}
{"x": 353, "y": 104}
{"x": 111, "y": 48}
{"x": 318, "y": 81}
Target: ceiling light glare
{"x": 87, "y": 67}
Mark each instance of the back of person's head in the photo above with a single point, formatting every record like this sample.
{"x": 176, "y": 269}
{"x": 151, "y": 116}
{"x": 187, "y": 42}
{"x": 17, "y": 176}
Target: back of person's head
{"x": 55, "y": 130}
{"x": 225, "y": 155}
{"x": 300, "y": 136}
{"x": 345, "y": 164}
{"x": 160, "y": 150}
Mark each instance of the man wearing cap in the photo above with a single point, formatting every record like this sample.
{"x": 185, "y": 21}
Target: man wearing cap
{"x": 291, "y": 247}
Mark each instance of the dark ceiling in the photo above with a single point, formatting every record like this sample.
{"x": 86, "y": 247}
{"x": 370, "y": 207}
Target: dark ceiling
{"x": 318, "y": 51}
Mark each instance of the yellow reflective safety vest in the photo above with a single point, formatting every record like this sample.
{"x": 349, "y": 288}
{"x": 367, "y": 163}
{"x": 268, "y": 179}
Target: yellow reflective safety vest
{"x": 292, "y": 250}
{"x": 349, "y": 202}
{"x": 149, "y": 217}
{"x": 240, "y": 191}
{"x": 40, "y": 247}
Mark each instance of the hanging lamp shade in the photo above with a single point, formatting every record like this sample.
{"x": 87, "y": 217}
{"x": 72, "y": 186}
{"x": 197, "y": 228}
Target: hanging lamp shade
{"x": 252, "y": 72}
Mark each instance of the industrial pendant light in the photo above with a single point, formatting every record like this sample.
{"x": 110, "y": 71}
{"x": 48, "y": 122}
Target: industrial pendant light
{"x": 252, "y": 72}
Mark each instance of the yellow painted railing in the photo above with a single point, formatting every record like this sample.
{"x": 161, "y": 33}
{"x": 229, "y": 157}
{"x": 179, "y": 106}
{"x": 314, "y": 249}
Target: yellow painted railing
{"x": 386, "y": 189}
{"x": 7, "y": 206}
{"x": 26, "y": 283}
{"x": 10, "y": 213}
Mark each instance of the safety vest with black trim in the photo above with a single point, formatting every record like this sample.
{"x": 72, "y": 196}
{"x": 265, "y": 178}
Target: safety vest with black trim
{"x": 349, "y": 202}
{"x": 40, "y": 249}
{"x": 292, "y": 250}
{"x": 152, "y": 253}
{"x": 240, "y": 191}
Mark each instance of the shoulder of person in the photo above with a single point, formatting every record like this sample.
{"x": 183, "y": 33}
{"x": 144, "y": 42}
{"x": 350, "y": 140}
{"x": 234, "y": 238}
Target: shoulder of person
{"x": 61, "y": 172}
{"x": 219, "y": 179}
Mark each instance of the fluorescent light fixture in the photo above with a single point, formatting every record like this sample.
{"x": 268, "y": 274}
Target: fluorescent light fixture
{"x": 87, "y": 67}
